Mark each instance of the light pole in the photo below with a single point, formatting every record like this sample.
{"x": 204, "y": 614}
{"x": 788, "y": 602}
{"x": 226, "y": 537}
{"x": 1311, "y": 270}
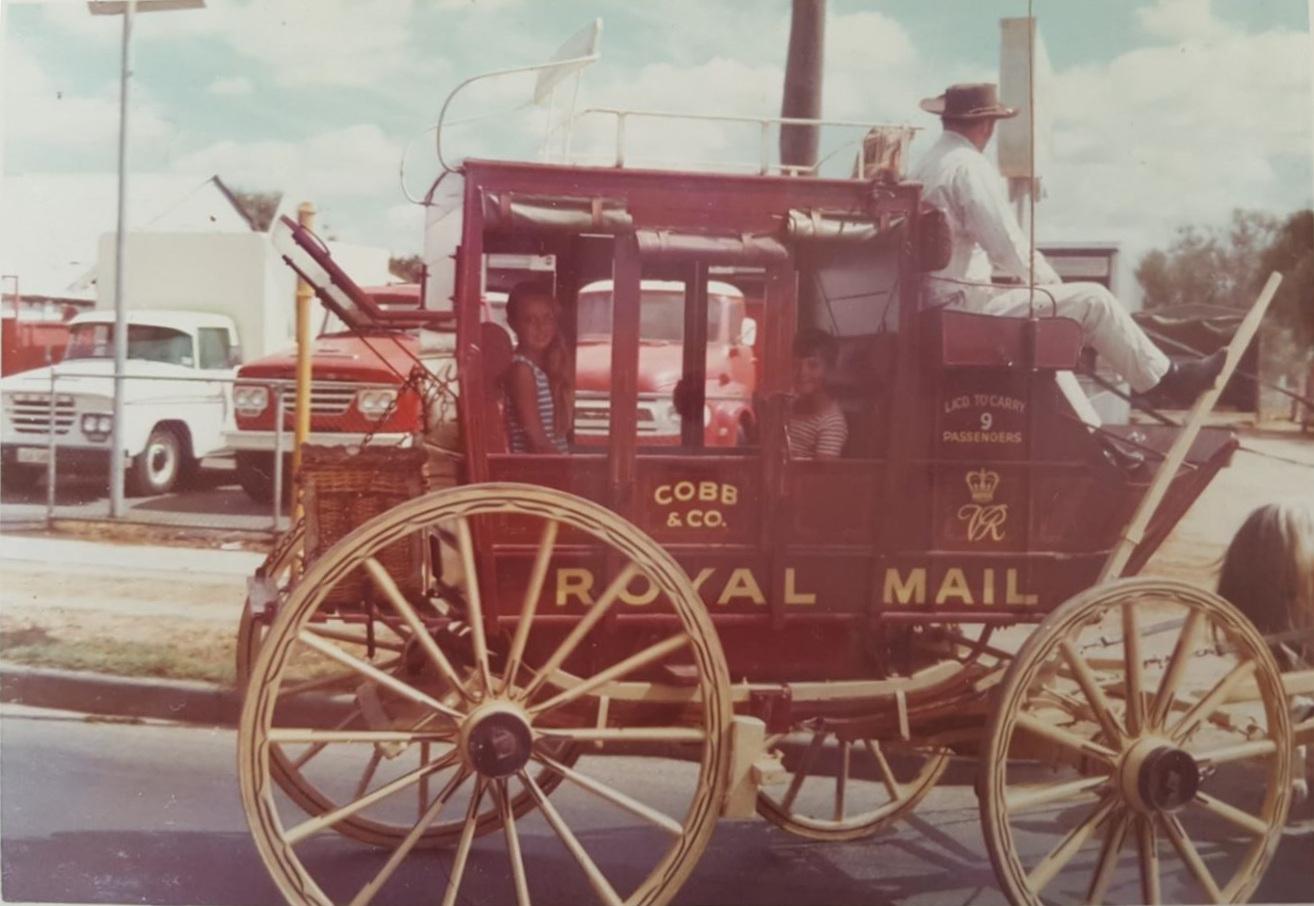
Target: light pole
{"x": 128, "y": 9}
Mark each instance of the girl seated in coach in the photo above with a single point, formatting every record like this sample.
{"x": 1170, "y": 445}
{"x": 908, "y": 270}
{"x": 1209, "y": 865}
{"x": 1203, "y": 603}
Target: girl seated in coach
{"x": 537, "y": 383}
{"x": 816, "y": 427}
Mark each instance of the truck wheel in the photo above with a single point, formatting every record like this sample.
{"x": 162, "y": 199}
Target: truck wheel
{"x": 160, "y": 466}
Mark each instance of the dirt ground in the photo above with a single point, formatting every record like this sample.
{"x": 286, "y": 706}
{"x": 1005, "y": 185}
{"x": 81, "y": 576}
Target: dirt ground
{"x": 184, "y": 626}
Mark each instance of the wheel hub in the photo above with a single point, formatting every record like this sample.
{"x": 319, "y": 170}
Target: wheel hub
{"x": 1157, "y": 776}
{"x": 496, "y": 740}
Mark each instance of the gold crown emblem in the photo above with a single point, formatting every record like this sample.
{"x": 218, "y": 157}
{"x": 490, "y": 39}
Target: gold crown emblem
{"x": 982, "y": 484}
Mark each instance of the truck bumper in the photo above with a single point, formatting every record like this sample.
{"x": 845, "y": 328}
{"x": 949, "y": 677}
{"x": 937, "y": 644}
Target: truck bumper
{"x": 68, "y": 460}
{"x": 264, "y": 441}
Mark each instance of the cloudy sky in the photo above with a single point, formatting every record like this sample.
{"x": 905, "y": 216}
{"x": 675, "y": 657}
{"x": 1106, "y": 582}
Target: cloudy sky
{"x": 1168, "y": 111}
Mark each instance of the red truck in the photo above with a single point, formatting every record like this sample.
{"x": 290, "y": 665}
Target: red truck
{"x": 357, "y": 391}
{"x": 727, "y": 414}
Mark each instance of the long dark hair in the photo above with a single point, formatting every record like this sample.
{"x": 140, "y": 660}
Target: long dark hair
{"x": 1268, "y": 572}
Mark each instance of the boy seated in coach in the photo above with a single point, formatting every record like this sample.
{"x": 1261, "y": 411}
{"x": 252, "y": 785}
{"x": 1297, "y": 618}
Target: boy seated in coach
{"x": 537, "y": 385}
{"x": 816, "y": 427}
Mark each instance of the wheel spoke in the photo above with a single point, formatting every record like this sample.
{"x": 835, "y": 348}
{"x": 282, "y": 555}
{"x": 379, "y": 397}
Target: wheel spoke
{"x": 326, "y": 682}
{"x": 1147, "y": 840}
{"x": 801, "y": 772}
{"x": 1217, "y": 695}
{"x": 1114, "y": 834}
{"x": 614, "y": 796}
{"x": 474, "y": 607}
{"x": 624, "y": 734}
{"x": 842, "y": 778}
{"x": 355, "y": 638}
{"x": 318, "y": 747}
{"x": 1131, "y": 649}
{"x": 367, "y": 775}
{"x": 521, "y": 882}
{"x": 636, "y": 661}
{"x": 319, "y": 822}
{"x": 1040, "y": 876}
{"x": 287, "y": 735}
{"x": 404, "y": 848}
{"x": 462, "y": 855}
{"x": 1249, "y": 823}
{"x": 384, "y": 582}
{"x": 1038, "y": 794}
{"x": 1186, "y": 849}
{"x": 581, "y": 629}
{"x": 537, "y": 576}
{"x": 1099, "y": 705}
{"x": 1065, "y": 739}
{"x": 1163, "y": 699}
{"x": 887, "y": 776}
{"x": 601, "y": 886}
{"x": 1238, "y": 752}
{"x": 369, "y": 671}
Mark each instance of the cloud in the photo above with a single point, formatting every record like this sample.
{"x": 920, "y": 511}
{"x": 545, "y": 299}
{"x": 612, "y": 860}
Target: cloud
{"x": 1180, "y": 133}
{"x": 231, "y": 86}
{"x": 43, "y": 115}
{"x": 1181, "y": 20}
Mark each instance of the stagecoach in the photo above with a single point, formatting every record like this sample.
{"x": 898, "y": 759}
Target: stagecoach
{"x": 544, "y": 678}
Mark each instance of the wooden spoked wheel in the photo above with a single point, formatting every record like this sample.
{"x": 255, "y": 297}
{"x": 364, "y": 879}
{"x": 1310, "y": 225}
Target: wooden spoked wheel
{"x": 299, "y": 777}
{"x": 1140, "y": 752}
{"x": 470, "y": 718}
{"x": 842, "y": 788}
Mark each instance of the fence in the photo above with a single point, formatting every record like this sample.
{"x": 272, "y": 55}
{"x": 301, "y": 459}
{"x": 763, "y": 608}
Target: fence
{"x": 58, "y": 428}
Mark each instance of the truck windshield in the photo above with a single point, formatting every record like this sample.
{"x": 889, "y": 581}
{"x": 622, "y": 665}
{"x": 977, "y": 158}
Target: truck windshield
{"x": 661, "y": 316}
{"x": 145, "y": 341}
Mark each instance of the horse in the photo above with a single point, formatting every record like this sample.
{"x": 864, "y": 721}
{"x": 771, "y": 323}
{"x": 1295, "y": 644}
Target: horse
{"x": 1268, "y": 573}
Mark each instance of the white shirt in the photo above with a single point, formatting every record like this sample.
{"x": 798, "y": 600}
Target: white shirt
{"x": 959, "y": 180}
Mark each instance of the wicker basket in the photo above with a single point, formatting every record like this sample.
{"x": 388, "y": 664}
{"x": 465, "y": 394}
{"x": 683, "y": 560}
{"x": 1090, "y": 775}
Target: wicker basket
{"x": 342, "y": 488}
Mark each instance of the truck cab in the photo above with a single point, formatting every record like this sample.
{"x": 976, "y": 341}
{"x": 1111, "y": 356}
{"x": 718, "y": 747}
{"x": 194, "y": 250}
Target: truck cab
{"x": 173, "y": 415}
{"x": 730, "y": 366}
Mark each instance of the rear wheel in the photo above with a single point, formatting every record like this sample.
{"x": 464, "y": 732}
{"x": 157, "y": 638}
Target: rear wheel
{"x": 446, "y": 724}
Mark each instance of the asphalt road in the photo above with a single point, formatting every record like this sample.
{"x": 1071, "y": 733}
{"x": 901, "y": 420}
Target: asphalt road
{"x": 97, "y": 812}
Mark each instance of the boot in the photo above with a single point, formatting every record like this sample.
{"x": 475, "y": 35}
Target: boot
{"x": 1185, "y": 382}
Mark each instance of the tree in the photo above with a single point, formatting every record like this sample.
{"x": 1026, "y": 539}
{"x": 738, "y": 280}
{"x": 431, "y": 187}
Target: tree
{"x": 408, "y": 268}
{"x": 259, "y": 207}
{"x": 1210, "y": 265}
{"x": 1292, "y": 254}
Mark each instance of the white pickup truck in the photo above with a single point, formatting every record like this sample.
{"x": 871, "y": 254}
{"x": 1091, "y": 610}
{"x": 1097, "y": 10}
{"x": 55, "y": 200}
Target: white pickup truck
{"x": 176, "y": 400}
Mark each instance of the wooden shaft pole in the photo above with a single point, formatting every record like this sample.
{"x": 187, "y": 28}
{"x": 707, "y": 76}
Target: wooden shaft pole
{"x": 1135, "y": 531}
{"x": 301, "y": 420}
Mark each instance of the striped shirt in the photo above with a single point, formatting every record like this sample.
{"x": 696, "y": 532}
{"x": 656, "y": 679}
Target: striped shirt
{"x": 517, "y": 437}
{"x": 817, "y": 434}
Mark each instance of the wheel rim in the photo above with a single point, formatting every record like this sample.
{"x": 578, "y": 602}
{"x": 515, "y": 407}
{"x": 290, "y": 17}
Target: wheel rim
{"x": 161, "y": 462}
{"x": 1129, "y": 759}
{"x": 839, "y": 787}
{"x": 479, "y": 693}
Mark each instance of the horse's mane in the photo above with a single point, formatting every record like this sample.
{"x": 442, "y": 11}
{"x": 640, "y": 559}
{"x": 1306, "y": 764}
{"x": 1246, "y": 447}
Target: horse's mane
{"x": 1268, "y": 571}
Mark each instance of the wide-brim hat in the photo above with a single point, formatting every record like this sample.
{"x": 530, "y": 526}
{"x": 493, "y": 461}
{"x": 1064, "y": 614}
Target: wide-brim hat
{"x": 969, "y": 102}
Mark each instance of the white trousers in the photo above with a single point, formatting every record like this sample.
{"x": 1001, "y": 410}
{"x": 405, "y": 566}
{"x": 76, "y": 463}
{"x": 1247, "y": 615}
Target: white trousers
{"x": 1105, "y": 324}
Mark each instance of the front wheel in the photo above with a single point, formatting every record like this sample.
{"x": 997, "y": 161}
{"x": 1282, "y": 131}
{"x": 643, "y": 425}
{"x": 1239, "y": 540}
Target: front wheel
{"x": 1140, "y": 752}
{"x": 161, "y": 466}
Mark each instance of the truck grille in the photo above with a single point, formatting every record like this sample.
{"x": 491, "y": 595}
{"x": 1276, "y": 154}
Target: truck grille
{"x": 323, "y": 401}
{"x": 593, "y": 418}
{"x": 30, "y": 413}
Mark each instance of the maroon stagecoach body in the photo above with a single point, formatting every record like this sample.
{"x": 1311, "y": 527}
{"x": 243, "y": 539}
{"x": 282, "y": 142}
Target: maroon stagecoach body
{"x": 971, "y": 493}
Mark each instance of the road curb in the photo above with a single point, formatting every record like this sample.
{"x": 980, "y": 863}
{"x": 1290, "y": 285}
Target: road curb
{"x": 188, "y": 701}
{"x": 184, "y": 701}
